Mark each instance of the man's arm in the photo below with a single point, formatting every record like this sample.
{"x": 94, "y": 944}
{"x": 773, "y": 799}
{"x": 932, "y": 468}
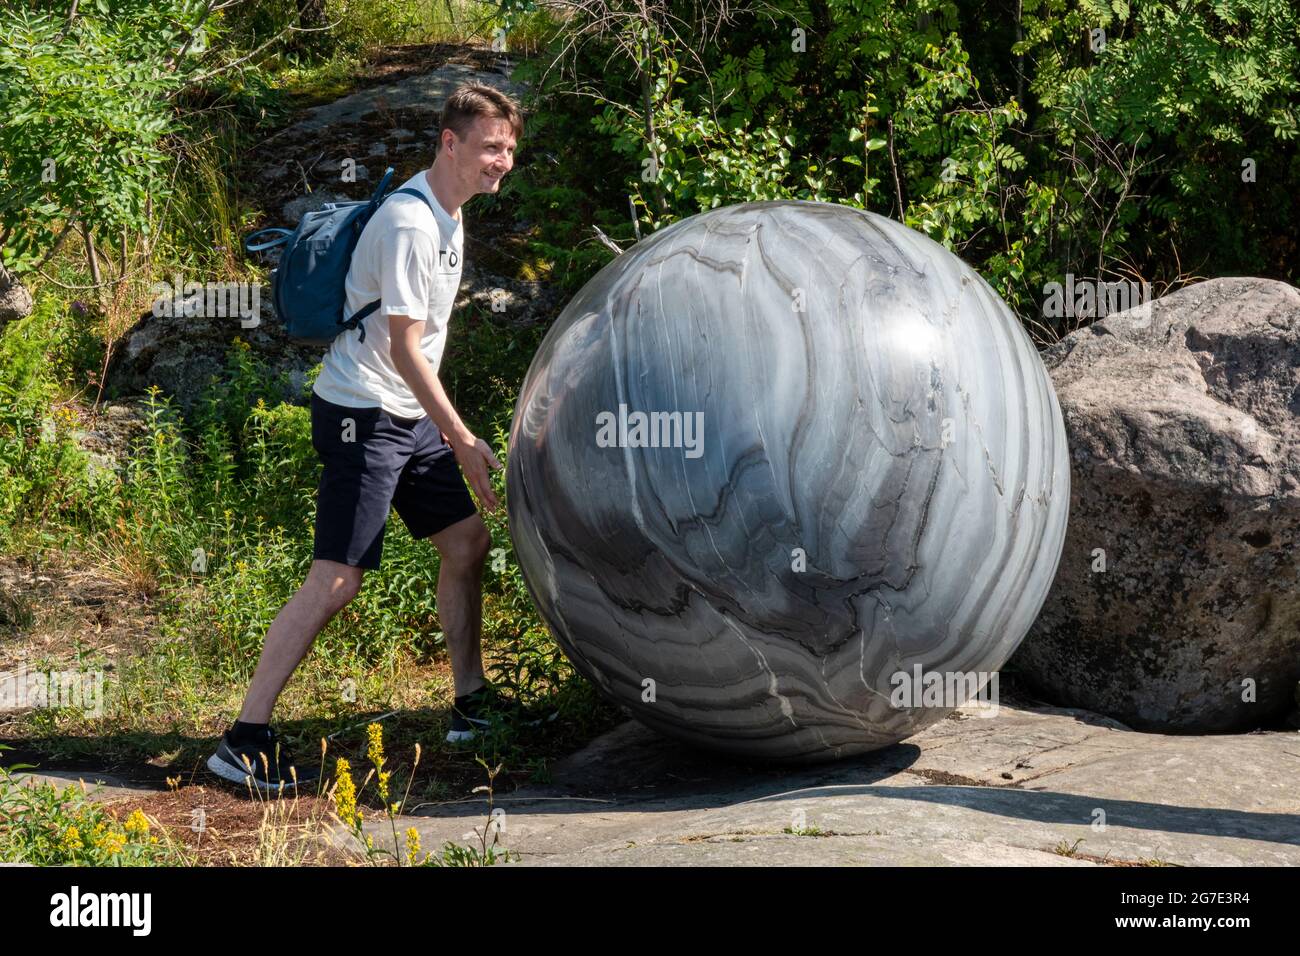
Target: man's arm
{"x": 474, "y": 455}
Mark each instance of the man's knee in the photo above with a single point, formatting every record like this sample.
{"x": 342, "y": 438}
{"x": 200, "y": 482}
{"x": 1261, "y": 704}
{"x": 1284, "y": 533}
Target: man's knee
{"x": 464, "y": 544}
{"x": 334, "y": 585}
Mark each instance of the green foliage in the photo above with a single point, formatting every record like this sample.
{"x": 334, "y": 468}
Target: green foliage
{"x": 42, "y": 825}
{"x": 86, "y": 110}
{"x": 45, "y": 476}
{"x": 1032, "y": 148}
{"x": 367, "y": 24}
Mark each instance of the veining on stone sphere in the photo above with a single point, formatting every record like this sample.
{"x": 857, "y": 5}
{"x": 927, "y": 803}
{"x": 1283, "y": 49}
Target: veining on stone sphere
{"x": 878, "y": 481}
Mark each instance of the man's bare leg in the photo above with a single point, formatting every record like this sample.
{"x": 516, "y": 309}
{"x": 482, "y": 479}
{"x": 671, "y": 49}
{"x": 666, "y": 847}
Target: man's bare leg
{"x": 328, "y": 589}
{"x": 463, "y": 548}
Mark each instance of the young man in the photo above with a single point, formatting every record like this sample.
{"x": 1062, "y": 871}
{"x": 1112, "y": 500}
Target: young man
{"x": 388, "y": 435}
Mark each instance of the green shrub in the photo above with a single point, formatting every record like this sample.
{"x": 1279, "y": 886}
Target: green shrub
{"x": 46, "y": 478}
{"x": 45, "y": 826}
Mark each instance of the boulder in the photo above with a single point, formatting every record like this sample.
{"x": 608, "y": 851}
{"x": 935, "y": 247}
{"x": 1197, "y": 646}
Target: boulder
{"x": 15, "y": 300}
{"x": 1176, "y": 607}
{"x": 109, "y": 436}
{"x": 181, "y": 354}
{"x": 299, "y": 206}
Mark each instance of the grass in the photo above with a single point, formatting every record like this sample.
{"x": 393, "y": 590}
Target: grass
{"x": 806, "y": 831}
{"x": 1071, "y": 850}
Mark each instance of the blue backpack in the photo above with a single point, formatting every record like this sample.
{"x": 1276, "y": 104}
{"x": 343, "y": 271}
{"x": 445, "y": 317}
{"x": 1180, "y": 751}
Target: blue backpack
{"x": 307, "y": 285}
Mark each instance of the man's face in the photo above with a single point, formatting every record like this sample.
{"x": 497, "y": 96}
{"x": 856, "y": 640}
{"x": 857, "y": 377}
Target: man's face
{"x": 484, "y": 156}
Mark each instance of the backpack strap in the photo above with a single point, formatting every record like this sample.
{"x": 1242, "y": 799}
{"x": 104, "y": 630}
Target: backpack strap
{"x": 281, "y": 237}
{"x": 354, "y": 320}
{"x": 417, "y": 194}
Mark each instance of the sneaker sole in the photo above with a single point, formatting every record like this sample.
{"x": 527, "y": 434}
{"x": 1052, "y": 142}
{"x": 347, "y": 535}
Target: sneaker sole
{"x": 235, "y": 775}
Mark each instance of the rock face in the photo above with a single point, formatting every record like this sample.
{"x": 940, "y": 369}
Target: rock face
{"x": 1184, "y": 428}
{"x": 180, "y": 354}
{"x": 1022, "y": 788}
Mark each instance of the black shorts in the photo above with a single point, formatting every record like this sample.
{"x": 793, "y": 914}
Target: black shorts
{"x": 373, "y": 460}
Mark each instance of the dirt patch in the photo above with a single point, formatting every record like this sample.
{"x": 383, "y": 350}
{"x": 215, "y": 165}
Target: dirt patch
{"x": 956, "y": 780}
{"x": 225, "y": 829}
{"x": 64, "y": 609}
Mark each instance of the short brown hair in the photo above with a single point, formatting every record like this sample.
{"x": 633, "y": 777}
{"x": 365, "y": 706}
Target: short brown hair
{"x": 472, "y": 100}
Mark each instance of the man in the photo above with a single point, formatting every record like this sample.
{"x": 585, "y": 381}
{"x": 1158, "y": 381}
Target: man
{"x": 388, "y": 435}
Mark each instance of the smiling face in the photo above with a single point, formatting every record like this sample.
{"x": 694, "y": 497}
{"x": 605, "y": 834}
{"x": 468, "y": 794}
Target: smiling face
{"x": 480, "y": 160}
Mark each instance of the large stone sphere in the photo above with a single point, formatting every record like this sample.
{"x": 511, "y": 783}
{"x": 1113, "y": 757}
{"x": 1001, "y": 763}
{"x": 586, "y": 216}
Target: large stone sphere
{"x": 857, "y": 472}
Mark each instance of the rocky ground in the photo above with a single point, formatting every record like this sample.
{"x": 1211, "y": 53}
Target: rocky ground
{"x": 1032, "y": 786}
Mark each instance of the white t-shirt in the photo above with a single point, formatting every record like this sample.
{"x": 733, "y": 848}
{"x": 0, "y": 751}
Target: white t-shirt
{"x": 410, "y": 258}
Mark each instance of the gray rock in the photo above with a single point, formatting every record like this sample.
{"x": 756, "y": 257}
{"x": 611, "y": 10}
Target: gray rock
{"x": 1037, "y": 787}
{"x": 111, "y": 433}
{"x": 99, "y": 787}
{"x": 181, "y": 354}
{"x": 15, "y": 300}
{"x": 1184, "y": 426}
{"x": 427, "y": 91}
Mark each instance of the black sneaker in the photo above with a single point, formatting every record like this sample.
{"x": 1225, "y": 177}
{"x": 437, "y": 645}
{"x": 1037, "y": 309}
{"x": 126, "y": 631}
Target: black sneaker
{"x": 265, "y": 762}
{"x": 470, "y": 713}
{"x": 474, "y": 712}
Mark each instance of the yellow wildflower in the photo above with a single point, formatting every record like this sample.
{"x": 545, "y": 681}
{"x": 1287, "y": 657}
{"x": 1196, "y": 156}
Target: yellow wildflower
{"x": 383, "y": 785}
{"x": 136, "y": 824}
{"x": 345, "y": 795}
{"x": 412, "y": 845}
{"x": 376, "y": 752}
{"x": 113, "y": 842}
{"x": 72, "y": 839}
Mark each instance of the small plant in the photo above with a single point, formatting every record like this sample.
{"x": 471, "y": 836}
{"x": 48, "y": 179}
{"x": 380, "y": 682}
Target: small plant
{"x": 281, "y": 834}
{"x": 486, "y": 853}
{"x": 346, "y": 793}
{"x": 806, "y": 831}
{"x": 406, "y": 849}
{"x": 45, "y": 826}
{"x": 1065, "y": 848}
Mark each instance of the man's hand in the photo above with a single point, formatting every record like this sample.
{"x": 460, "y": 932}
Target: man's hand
{"x": 475, "y": 457}
{"x": 472, "y": 454}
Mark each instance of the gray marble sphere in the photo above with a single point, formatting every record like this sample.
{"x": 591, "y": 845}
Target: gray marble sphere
{"x": 775, "y": 467}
